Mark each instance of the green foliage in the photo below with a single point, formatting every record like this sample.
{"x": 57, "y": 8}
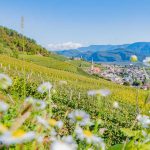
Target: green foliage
{"x": 14, "y": 41}
{"x": 128, "y": 132}
{"x": 137, "y": 83}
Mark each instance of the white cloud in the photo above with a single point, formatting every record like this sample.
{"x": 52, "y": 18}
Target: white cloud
{"x": 64, "y": 46}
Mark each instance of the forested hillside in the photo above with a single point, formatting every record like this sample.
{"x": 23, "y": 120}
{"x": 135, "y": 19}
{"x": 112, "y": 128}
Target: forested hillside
{"x": 12, "y": 42}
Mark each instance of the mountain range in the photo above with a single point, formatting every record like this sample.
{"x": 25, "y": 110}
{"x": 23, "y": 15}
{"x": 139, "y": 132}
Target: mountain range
{"x": 110, "y": 53}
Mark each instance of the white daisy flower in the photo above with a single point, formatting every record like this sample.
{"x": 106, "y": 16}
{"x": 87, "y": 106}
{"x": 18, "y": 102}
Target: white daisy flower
{"x": 144, "y": 120}
{"x": 44, "y": 87}
{"x": 3, "y": 106}
{"x": 66, "y": 143}
{"x": 42, "y": 121}
{"x": 59, "y": 124}
{"x": 50, "y": 123}
{"x": 59, "y": 145}
{"x": 92, "y": 92}
{"x": 115, "y": 105}
{"x": 40, "y": 138}
{"x": 5, "y": 81}
{"x": 30, "y": 100}
{"x": 133, "y": 58}
{"x": 146, "y": 61}
{"x": 53, "y": 132}
{"x": 102, "y": 92}
{"x": 54, "y": 123}
{"x": 16, "y": 137}
{"x": 39, "y": 104}
{"x": 89, "y": 137}
{"x": 80, "y": 117}
{"x": 69, "y": 139}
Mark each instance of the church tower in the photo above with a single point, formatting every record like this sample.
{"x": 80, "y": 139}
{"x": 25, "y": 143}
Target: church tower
{"x": 92, "y": 65}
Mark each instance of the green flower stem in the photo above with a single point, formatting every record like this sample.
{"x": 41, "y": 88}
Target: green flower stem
{"x": 49, "y": 103}
{"x": 74, "y": 133}
{"x": 88, "y": 146}
{"x": 137, "y": 100}
{"x": 96, "y": 124}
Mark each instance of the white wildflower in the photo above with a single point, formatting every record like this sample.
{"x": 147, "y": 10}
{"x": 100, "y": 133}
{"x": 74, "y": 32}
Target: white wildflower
{"x": 50, "y": 123}
{"x": 146, "y": 61}
{"x": 3, "y": 106}
{"x": 102, "y": 92}
{"x": 53, "y": 132}
{"x": 116, "y": 105}
{"x": 144, "y": 120}
{"x": 59, "y": 145}
{"x": 80, "y": 117}
{"x": 66, "y": 143}
{"x": 40, "y": 105}
{"x": 69, "y": 139}
{"x": 30, "y": 100}
{"x": 92, "y": 92}
{"x": 54, "y": 123}
{"x": 89, "y": 137}
{"x": 17, "y": 137}
{"x": 5, "y": 81}
{"x": 42, "y": 121}
{"x": 44, "y": 87}
{"x": 40, "y": 138}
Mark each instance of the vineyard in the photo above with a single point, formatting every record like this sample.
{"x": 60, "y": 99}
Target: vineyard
{"x": 56, "y": 62}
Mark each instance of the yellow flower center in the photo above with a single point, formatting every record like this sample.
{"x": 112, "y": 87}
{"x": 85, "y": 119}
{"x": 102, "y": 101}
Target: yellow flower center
{"x": 79, "y": 118}
{"x": 3, "y": 128}
{"x": 52, "y": 122}
{"x": 18, "y": 133}
{"x": 87, "y": 133}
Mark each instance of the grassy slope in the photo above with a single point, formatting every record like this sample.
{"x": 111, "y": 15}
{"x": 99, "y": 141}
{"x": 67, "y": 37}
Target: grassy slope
{"x": 82, "y": 63}
{"x": 56, "y": 62}
{"x": 78, "y": 82}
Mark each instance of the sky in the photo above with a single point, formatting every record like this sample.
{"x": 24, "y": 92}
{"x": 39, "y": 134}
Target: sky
{"x": 57, "y": 24}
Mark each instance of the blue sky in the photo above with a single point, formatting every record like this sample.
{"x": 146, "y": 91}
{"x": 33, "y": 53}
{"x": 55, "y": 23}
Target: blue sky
{"x": 87, "y": 22}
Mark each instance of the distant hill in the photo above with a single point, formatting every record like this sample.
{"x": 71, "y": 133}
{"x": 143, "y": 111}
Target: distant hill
{"x": 110, "y": 53}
